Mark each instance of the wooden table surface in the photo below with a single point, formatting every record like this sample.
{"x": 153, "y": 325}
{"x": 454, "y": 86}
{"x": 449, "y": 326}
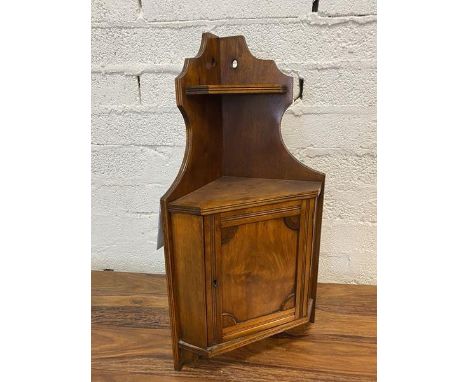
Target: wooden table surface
{"x": 131, "y": 338}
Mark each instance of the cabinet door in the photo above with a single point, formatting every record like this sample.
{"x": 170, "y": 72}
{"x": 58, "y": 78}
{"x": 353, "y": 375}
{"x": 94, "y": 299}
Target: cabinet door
{"x": 260, "y": 268}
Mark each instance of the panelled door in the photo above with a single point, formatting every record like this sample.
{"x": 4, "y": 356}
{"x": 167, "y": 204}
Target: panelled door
{"x": 260, "y": 268}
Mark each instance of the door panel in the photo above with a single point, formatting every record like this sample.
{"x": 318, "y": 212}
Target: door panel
{"x": 259, "y": 259}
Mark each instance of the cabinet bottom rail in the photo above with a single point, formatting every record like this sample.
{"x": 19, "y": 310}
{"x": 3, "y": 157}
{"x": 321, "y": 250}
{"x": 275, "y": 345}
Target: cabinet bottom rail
{"x": 224, "y": 347}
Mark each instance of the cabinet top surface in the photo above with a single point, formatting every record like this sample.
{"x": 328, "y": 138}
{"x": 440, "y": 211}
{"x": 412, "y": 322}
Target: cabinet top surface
{"x": 228, "y": 193}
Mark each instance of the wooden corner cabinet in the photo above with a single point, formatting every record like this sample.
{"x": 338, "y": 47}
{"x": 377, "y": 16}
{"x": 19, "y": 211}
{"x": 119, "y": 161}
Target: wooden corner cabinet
{"x": 242, "y": 219}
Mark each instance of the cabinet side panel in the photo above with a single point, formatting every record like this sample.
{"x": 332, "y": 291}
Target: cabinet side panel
{"x": 189, "y": 277}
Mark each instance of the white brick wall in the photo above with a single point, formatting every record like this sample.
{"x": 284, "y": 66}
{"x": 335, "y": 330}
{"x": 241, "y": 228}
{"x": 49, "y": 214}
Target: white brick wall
{"x": 138, "y": 134}
{"x": 170, "y": 10}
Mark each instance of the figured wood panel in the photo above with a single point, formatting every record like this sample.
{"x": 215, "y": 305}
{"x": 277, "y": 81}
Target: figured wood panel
{"x": 233, "y": 192}
{"x": 259, "y": 264}
{"x": 189, "y": 273}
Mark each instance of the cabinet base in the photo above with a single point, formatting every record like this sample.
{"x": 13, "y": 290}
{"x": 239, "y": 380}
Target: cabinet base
{"x": 190, "y": 353}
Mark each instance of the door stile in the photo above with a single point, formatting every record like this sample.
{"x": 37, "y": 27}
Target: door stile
{"x": 301, "y": 248}
{"x": 217, "y": 284}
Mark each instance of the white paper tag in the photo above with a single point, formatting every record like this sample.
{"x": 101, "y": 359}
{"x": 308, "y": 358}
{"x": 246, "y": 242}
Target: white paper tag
{"x": 160, "y": 241}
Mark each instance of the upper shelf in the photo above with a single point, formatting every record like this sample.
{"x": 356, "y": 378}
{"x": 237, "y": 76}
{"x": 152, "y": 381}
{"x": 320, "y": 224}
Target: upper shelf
{"x": 236, "y": 89}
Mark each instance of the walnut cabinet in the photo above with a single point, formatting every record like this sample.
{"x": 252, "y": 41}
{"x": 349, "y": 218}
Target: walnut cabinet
{"x": 242, "y": 219}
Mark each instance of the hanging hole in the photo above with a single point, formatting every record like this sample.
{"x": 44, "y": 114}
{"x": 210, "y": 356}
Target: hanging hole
{"x": 234, "y": 64}
{"x": 213, "y": 62}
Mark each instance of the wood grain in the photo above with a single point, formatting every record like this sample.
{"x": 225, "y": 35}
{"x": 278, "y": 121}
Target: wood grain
{"x": 189, "y": 271}
{"x": 258, "y": 269}
{"x": 236, "y": 89}
{"x": 227, "y": 193}
{"x": 340, "y": 346}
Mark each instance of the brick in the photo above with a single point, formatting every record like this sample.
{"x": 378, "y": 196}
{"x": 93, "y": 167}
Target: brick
{"x": 345, "y": 131}
{"x": 345, "y": 170}
{"x": 158, "y": 89}
{"x": 168, "y": 10}
{"x": 304, "y": 41}
{"x": 107, "y": 230}
{"x": 340, "y": 86}
{"x": 114, "y": 89}
{"x": 128, "y": 257}
{"x": 287, "y": 41}
{"x": 135, "y": 165}
{"x": 126, "y": 200}
{"x": 347, "y": 7}
{"x": 348, "y": 269}
{"x": 126, "y": 243}
{"x": 334, "y": 269}
{"x": 363, "y": 268}
{"x": 345, "y": 237}
{"x": 114, "y": 10}
{"x": 124, "y": 228}
{"x": 136, "y": 128}
{"x": 358, "y": 204}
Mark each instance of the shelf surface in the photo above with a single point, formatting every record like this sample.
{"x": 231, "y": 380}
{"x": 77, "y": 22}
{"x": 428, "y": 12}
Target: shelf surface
{"x": 227, "y": 193}
{"x": 236, "y": 89}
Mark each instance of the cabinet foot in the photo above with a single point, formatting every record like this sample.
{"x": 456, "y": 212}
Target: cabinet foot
{"x": 312, "y": 312}
{"x": 185, "y": 358}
